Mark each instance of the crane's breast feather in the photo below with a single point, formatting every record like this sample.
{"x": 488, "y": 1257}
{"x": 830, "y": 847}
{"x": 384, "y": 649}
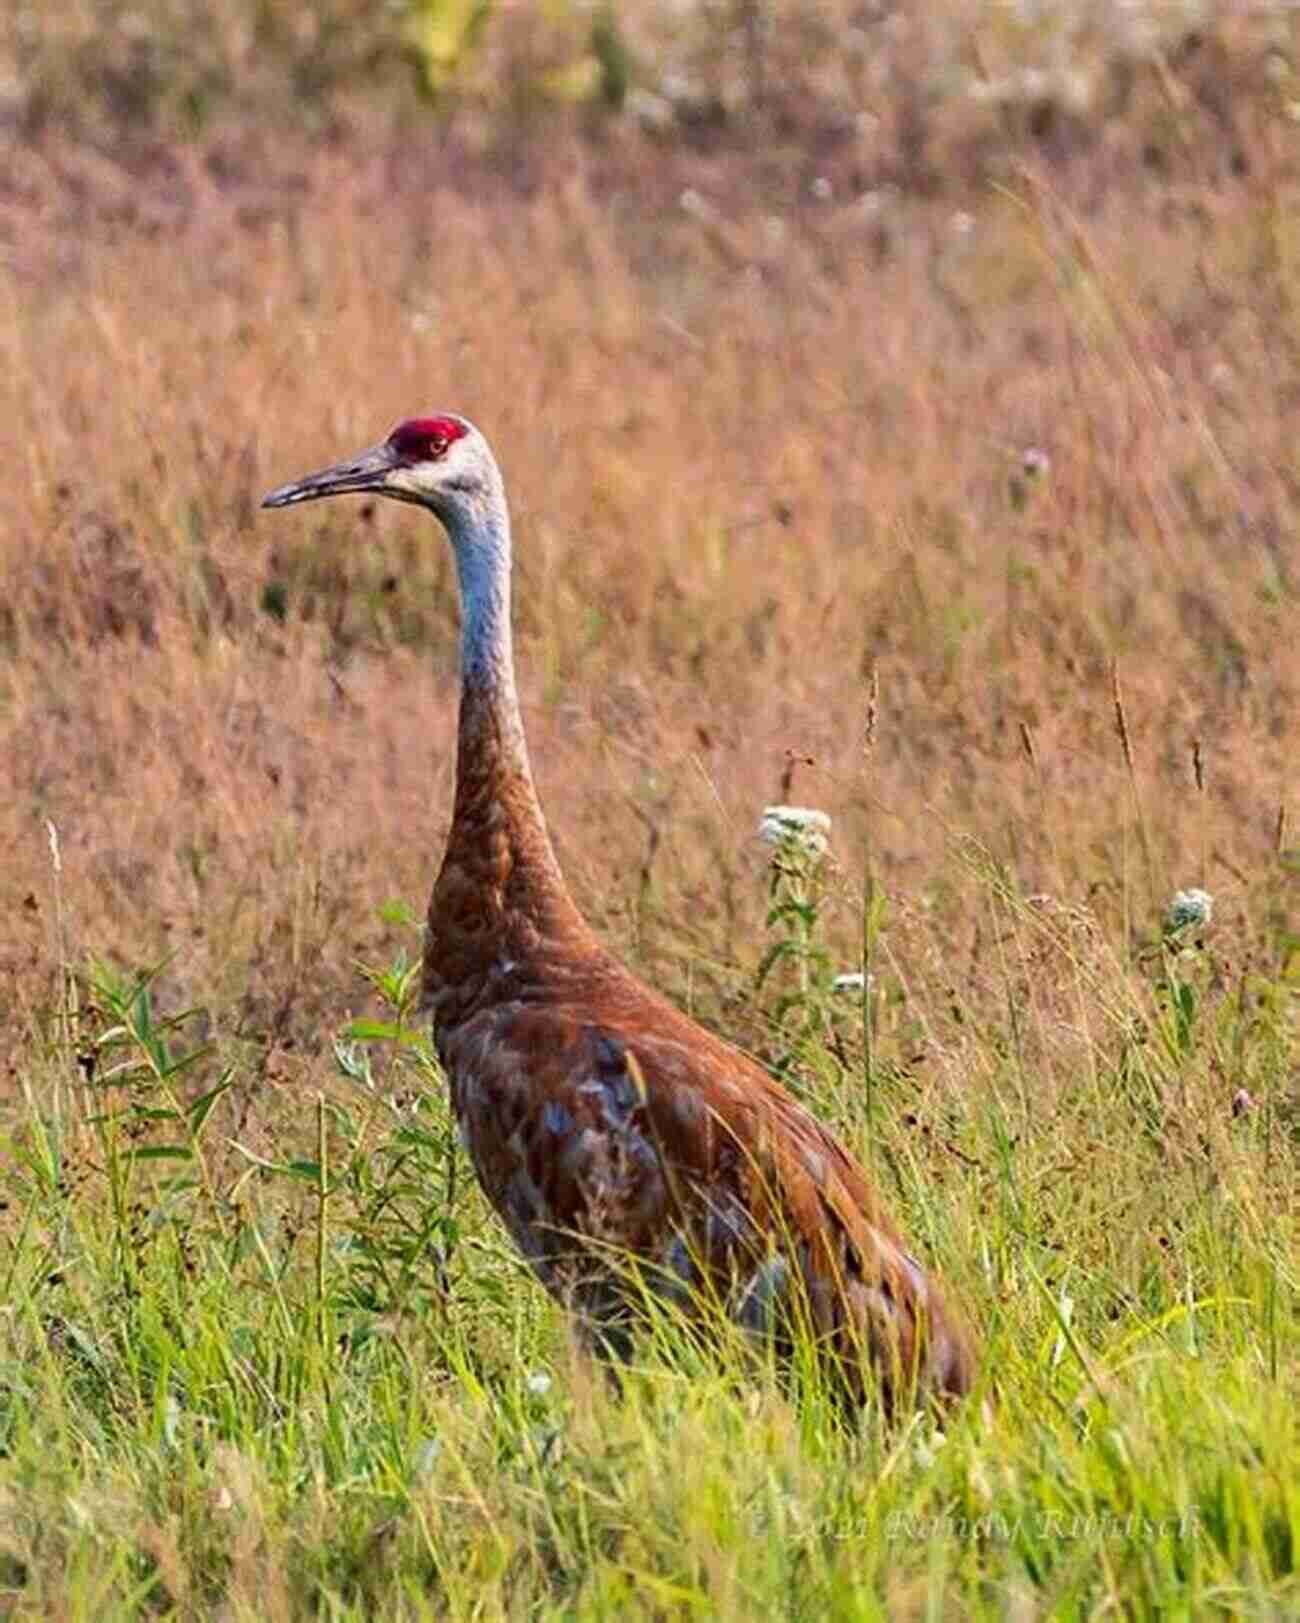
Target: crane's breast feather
{"x": 578, "y": 1138}
{"x": 555, "y": 1120}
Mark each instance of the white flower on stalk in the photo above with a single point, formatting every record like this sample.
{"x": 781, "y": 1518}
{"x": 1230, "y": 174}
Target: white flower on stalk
{"x": 853, "y": 982}
{"x": 426, "y": 1456}
{"x": 800, "y": 826}
{"x": 539, "y": 1384}
{"x": 1189, "y": 907}
{"x": 925, "y": 1451}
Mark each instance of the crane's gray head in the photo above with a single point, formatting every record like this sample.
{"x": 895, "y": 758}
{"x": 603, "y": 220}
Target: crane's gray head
{"x": 440, "y": 462}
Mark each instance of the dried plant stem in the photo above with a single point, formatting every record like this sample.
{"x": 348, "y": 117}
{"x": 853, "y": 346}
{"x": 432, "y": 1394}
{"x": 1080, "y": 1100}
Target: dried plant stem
{"x": 69, "y": 1003}
{"x": 868, "y": 916}
{"x": 1126, "y": 744}
{"x": 322, "y": 1203}
{"x": 1198, "y": 777}
{"x": 1030, "y": 747}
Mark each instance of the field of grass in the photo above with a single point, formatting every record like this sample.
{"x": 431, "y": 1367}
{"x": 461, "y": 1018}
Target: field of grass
{"x": 937, "y": 468}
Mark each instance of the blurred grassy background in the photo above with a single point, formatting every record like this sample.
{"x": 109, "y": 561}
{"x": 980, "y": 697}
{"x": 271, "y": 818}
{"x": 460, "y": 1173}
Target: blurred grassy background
{"x": 764, "y": 396}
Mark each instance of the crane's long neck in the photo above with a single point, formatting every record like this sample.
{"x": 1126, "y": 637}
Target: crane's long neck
{"x": 500, "y": 893}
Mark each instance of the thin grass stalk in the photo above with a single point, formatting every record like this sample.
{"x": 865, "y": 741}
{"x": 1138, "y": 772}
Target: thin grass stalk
{"x": 1202, "y": 810}
{"x": 1126, "y": 745}
{"x": 868, "y": 918}
{"x": 322, "y": 1241}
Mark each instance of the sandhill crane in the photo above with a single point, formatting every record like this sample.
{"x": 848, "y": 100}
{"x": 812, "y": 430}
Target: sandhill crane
{"x": 625, "y": 1148}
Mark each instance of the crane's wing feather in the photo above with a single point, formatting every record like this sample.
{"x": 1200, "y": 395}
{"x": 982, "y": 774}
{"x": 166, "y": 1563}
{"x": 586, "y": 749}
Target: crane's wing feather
{"x": 604, "y": 1144}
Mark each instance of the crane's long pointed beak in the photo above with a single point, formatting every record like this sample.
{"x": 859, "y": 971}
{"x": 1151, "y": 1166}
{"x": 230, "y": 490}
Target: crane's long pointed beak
{"x": 369, "y": 471}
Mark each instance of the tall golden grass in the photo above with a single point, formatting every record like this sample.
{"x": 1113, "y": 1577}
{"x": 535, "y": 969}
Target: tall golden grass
{"x": 745, "y": 476}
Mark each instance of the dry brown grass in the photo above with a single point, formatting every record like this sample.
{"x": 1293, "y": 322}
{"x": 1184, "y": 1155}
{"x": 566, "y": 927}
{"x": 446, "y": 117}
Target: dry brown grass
{"x": 738, "y": 487}
{"x": 757, "y": 447}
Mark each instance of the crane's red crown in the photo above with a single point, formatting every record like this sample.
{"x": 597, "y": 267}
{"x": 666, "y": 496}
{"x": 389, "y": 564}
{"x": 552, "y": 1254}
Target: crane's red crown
{"x": 425, "y": 439}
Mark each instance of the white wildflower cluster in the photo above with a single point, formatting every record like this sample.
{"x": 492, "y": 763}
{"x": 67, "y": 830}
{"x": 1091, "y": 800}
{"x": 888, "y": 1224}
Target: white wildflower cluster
{"x": 1188, "y": 908}
{"x": 800, "y": 826}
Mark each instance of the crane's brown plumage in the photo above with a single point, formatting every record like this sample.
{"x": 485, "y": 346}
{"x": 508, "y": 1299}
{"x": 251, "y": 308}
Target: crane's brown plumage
{"x": 624, "y": 1147}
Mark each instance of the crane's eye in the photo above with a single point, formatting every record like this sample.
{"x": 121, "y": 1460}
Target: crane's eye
{"x": 424, "y": 439}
